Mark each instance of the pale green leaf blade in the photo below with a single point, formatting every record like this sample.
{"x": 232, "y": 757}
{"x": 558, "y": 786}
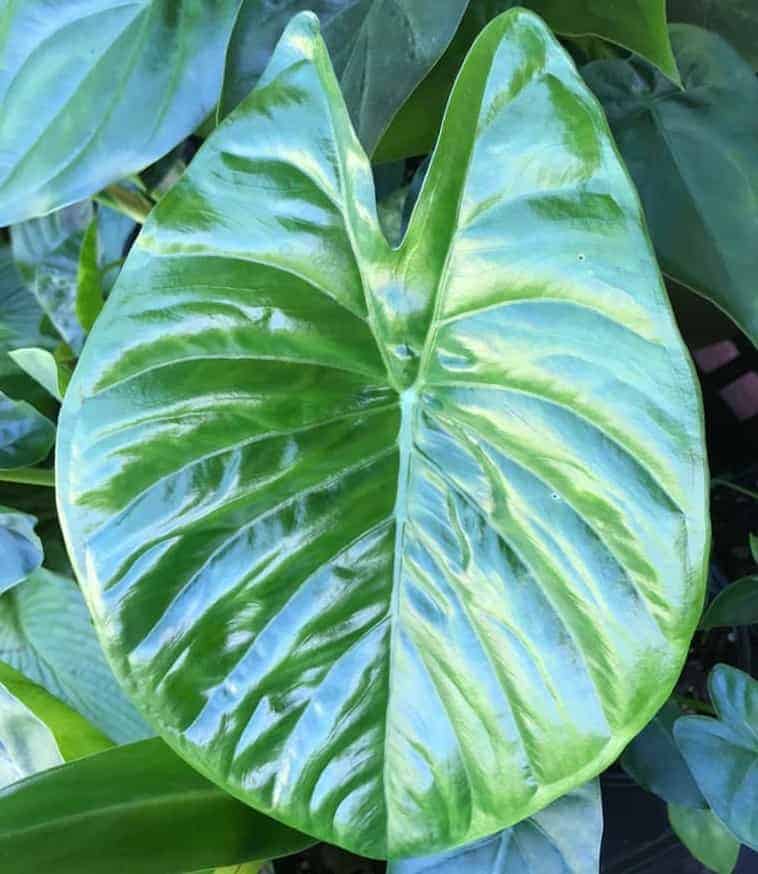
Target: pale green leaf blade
{"x": 89, "y": 286}
{"x": 26, "y": 744}
{"x": 709, "y": 841}
{"x": 397, "y": 544}
{"x": 43, "y": 369}
{"x": 693, "y": 154}
{"x": 93, "y": 90}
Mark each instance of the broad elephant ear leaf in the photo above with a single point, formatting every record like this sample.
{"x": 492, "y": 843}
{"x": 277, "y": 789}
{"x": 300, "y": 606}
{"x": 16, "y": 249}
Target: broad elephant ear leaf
{"x": 398, "y": 545}
{"x": 380, "y": 50}
{"x": 93, "y": 90}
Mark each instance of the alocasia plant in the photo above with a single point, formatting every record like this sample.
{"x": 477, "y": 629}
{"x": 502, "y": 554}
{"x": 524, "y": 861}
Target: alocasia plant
{"x": 398, "y": 545}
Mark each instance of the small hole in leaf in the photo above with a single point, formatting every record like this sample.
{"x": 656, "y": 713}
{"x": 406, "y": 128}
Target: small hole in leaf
{"x": 555, "y": 496}
{"x": 580, "y": 256}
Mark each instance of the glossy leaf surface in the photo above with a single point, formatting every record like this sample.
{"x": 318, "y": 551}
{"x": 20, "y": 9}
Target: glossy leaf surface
{"x": 723, "y": 753}
{"x": 93, "y": 90}
{"x": 89, "y": 286}
{"x": 380, "y": 49}
{"x": 705, "y": 836}
{"x": 20, "y": 548}
{"x": 654, "y": 761}
{"x": 564, "y": 838}
{"x": 398, "y": 545}
{"x": 74, "y": 737}
{"x": 639, "y": 25}
{"x": 46, "y": 633}
{"x": 137, "y": 809}
{"x": 737, "y": 604}
{"x": 735, "y": 20}
{"x": 26, "y": 436}
{"x": 693, "y": 154}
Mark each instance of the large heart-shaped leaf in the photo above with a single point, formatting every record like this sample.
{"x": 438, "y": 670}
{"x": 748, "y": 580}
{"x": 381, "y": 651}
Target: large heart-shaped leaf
{"x": 694, "y": 156}
{"x": 46, "y": 633}
{"x": 93, "y": 90}
{"x": 380, "y": 49}
{"x": 564, "y": 838}
{"x": 735, "y": 20}
{"x": 398, "y": 545}
{"x": 639, "y": 25}
{"x": 723, "y": 753}
{"x": 136, "y": 809}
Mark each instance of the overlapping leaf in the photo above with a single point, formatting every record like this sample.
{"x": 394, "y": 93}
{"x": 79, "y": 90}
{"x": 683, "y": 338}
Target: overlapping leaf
{"x": 398, "y": 545}
{"x": 723, "y": 753}
{"x": 380, "y": 49}
{"x": 639, "y": 26}
{"x": 735, "y": 20}
{"x": 46, "y": 634}
{"x": 693, "y": 154}
{"x": 706, "y": 837}
{"x": 93, "y": 90}
{"x": 136, "y": 809}
{"x": 564, "y": 838}
{"x": 20, "y": 548}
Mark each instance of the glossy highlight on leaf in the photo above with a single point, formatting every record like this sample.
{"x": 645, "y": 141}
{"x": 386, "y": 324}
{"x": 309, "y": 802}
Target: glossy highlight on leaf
{"x": 398, "y": 545}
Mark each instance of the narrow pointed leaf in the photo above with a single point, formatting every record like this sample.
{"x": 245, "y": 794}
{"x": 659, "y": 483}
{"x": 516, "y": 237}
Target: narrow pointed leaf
{"x": 397, "y": 544}
{"x": 723, "y": 753}
{"x": 89, "y": 286}
{"x": 93, "y": 90}
{"x": 693, "y": 153}
{"x": 136, "y": 809}
{"x": 381, "y": 50}
{"x": 564, "y": 838}
{"x": 74, "y": 736}
{"x": 20, "y": 547}
{"x": 706, "y": 837}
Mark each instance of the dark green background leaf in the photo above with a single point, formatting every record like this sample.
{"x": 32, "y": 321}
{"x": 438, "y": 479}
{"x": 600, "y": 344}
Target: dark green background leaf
{"x": 136, "y": 809}
{"x": 705, "y": 837}
{"x": 723, "y": 754}
{"x": 735, "y": 20}
{"x": 93, "y": 90}
{"x": 694, "y": 157}
{"x": 639, "y": 25}
{"x": 564, "y": 838}
{"x": 26, "y": 436}
{"x": 653, "y": 760}
{"x": 737, "y": 604}
{"x": 397, "y": 544}
{"x": 380, "y": 49}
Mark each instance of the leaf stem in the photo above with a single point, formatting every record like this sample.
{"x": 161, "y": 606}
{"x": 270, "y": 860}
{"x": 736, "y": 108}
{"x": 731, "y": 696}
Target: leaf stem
{"x": 32, "y": 476}
{"x": 696, "y": 704}
{"x": 718, "y": 481}
{"x": 130, "y": 203}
